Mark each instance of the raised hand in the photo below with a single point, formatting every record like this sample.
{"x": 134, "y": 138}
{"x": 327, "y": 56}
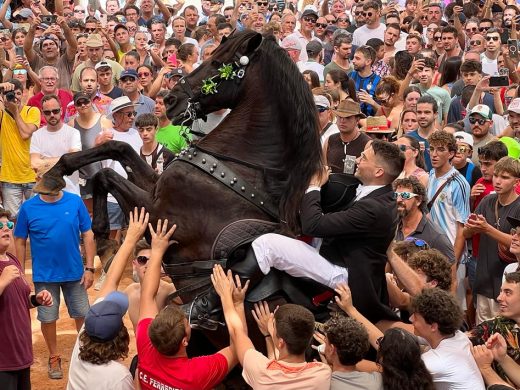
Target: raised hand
{"x": 161, "y": 236}
{"x": 223, "y": 286}
{"x": 344, "y": 300}
{"x": 262, "y": 315}
{"x": 138, "y": 222}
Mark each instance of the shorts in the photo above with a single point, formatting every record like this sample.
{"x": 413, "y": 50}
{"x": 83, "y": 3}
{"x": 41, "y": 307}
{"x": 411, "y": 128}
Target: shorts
{"x": 116, "y": 217}
{"x": 16, "y": 380}
{"x": 75, "y": 295}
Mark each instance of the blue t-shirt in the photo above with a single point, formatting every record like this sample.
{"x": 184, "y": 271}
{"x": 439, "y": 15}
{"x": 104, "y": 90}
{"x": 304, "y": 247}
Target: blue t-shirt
{"x": 427, "y": 158}
{"x": 369, "y": 84}
{"x": 54, "y": 230}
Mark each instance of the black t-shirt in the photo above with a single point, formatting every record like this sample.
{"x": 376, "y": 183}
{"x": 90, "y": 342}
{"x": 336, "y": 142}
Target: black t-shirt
{"x": 115, "y": 93}
{"x": 476, "y": 173}
{"x": 337, "y": 151}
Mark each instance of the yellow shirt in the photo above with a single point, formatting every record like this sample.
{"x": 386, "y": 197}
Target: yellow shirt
{"x": 16, "y": 162}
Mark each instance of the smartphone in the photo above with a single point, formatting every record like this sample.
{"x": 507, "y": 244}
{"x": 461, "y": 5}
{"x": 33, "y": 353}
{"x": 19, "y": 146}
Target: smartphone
{"x": 19, "y": 51}
{"x": 513, "y": 48}
{"x": 48, "y": 19}
{"x": 103, "y": 20}
{"x": 172, "y": 60}
{"x": 499, "y": 81}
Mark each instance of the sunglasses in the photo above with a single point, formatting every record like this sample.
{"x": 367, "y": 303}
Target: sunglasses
{"x": 474, "y": 120}
{"x": 474, "y": 29}
{"x": 130, "y": 114}
{"x": 404, "y": 195}
{"x": 132, "y": 28}
{"x": 260, "y": 3}
{"x": 482, "y": 29}
{"x": 19, "y": 71}
{"x": 142, "y": 260}
{"x": 384, "y": 101}
{"x": 146, "y": 74}
{"x": 309, "y": 20}
{"x": 321, "y": 25}
{"x": 424, "y": 17}
{"x": 463, "y": 149}
{"x": 90, "y": 30}
{"x": 79, "y": 11}
{"x": 357, "y": 13}
{"x": 341, "y": 20}
{"x": 369, "y": 14}
{"x": 9, "y": 224}
{"x": 4, "y": 39}
{"x": 437, "y": 38}
{"x": 404, "y": 148}
{"x": 331, "y": 21}
{"x": 492, "y": 38}
{"x": 81, "y": 103}
{"x": 473, "y": 43}
{"x": 417, "y": 242}
{"x": 127, "y": 79}
{"x": 56, "y": 111}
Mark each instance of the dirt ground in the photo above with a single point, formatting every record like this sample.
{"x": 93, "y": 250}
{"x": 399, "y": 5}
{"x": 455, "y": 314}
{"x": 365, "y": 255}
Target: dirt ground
{"x": 66, "y": 337}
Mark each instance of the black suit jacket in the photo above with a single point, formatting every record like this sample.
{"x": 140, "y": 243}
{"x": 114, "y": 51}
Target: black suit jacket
{"x": 357, "y": 238}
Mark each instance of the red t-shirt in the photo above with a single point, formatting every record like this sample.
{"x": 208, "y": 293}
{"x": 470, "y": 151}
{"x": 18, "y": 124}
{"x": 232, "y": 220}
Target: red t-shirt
{"x": 64, "y": 96}
{"x": 157, "y": 371}
{"x": 15, "y": 322}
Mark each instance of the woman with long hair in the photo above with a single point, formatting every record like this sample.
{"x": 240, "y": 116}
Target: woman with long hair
{"x": 390, "y": 104}
{"x": 414, "y": 159}
{"x": 437, "y": 45}
{"x": 188, "y": 55}
{"x": 338, "y": 80}
{"x": 408, "y": 122}
{"x": 312, "y": 78}
{"x": 450, "y": 73}
{"x": 410, "y": 97}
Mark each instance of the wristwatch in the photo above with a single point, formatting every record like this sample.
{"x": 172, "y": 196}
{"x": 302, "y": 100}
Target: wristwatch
{"x": 90, "y": 269}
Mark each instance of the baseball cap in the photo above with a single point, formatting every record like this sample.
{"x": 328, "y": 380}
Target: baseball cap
{"x": 102, "y": 64}
{"x": 120, "y": 25}
{"x": 482, "y": 110}
{"x": 120, "y": 103}
{"x": 464, "y": 137}
{"x": 24, "y": 13}
{"x": 313, "y": 47}
{"x": 290, "y": 43}
{"x": 94, "y": 40}
{"x": 129, "y": 73}
{"x": 514, "y": 106}
{"x": 331, "y": 28}
{"x": 104, "y": 319}
{"x": 310, "y": 11}
{"x": 321, "y": 101}
{"x": 81, "y": 95}
{"x": 348, "y": 107}
{"x": 515, "y": 222}
{"x": 175, "y": 72}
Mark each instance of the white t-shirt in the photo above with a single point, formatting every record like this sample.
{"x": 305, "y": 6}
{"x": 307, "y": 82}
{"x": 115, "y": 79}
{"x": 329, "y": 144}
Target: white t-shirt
{"x": 84, "y": 375}
{"x": 131, "y": 137}
{"x": 489, "y": 66}
{"x": 363, "y": 34}
{"x": 312, "y": 65}
{"x": 56, "y": 144}
{"x": 452, "y": 365}
{"x": 510, "y": 268}
{"x": 333, "y": 129}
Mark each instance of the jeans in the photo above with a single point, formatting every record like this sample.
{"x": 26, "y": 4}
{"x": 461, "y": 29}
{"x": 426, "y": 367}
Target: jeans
{"x": 14, "y": 194}
{"x": 75, "y": 295}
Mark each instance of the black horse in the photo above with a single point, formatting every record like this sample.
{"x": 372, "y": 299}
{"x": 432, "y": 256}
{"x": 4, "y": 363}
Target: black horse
{"x": 255, "y": 165}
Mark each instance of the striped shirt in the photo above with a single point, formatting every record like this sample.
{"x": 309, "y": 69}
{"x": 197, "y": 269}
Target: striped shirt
{"x": 368, "y": 84}
{"x": 452, "y": 204}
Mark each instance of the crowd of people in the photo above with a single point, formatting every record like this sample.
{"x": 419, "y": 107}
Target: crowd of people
{"x": 417, "y": 101}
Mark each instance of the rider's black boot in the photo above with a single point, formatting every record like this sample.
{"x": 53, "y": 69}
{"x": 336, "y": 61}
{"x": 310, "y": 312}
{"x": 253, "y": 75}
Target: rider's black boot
{"x": 204, "y": 312}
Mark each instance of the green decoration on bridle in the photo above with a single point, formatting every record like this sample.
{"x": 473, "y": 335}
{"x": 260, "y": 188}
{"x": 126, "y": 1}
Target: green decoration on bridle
{"x": 225, "y": 72}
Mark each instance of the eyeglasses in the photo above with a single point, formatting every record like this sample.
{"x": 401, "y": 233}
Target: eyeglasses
{"x": 129, "y": 114}
{"x": 437, "y": 38}
{"x": 56, "y": 111}
{"x": 81, "y": 103}
{"x": 341, "y": 20}
{"x": 477, "y": 43}
{"x": 142, "y": 260}
{"x": 492, "y": 38}
{"x": 90, "y": 30}
{"x": 144, "y": 74}
{"x": 482, "y": 29}
{"x": 48, "y": 79}
{"x": 309, "y": 20}
{"x": 369, "y": 14}
{"x": 474, "y": 120}
{"x": 463, "y": 149}
{"x": 9, "y": 224}
{"x": 404, "y": 148}
{"x": 474, "y": 29}
{"x": 127, "y": 79}
{"x": 404, "y": 195}
{"x": 321, "y": 25}
{"x": 417, "y": 242}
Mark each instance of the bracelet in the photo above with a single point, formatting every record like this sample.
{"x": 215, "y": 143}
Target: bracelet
{"x": 33, "y": 301}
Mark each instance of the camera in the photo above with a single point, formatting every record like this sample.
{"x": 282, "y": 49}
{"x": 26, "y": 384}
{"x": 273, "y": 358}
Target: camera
{"x": 10, "y": 96}
{"x": 48, "y": 19}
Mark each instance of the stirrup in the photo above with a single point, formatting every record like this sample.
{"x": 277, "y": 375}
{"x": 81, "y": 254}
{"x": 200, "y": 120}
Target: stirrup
{"x": 201, "y": 321}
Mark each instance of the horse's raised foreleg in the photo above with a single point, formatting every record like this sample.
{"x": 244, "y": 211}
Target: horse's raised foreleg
{"x": 139, "y": 172}
{"x": 127, "y": 194}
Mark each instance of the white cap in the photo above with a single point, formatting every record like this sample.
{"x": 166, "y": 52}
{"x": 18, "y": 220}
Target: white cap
{"x": 514, "y": 106}
{"x": 321, "y": 101}
{"x": 482, "y": 110}
{"x": 462, "y": 136}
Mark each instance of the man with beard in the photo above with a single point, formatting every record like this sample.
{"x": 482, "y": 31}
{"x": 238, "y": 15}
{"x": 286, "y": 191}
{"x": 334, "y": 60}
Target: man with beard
{"x": 306, "y": 32}
{"x": 342, "y": 48}
{"x": 490, "y": 56}
{"x": 392, "y": 34}
{"x": 365, "y": 79}
{"x": 359, "y": 18}
{"x": 373, "y": 27}
{"x": 411, "y": 199}
{"x": 509, "y": 14}
{"x": 514, "y": 116}
{"x": 480, "y": 120}
{"x": 426, "y": 112}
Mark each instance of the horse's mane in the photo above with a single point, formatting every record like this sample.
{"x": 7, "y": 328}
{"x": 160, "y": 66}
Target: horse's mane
{"x": 289, "y": 92}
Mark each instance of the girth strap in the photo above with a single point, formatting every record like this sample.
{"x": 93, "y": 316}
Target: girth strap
{"x": 223, "y": 173}
{"x": 193, "y": 269}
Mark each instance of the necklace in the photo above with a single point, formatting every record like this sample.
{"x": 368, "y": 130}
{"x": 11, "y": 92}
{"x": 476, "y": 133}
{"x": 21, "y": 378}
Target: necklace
{"x": 347, "y": 143}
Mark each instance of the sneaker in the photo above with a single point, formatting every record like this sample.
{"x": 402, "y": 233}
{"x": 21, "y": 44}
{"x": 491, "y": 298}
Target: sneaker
{"x": 54, "y": 367}
{"x": 100, "y": 281}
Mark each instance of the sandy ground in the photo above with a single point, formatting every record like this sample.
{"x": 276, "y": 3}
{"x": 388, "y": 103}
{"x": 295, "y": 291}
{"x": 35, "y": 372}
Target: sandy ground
{"x": 66, "y": 338}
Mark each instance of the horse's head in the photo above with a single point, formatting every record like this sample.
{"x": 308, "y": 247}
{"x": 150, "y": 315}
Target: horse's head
{"x": 216, "y": 83}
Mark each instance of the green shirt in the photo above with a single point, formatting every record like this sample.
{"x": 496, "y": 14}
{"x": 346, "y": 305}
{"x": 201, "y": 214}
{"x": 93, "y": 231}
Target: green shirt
{"x": 170, "y": 136}
{"x": 441, "y": 96}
